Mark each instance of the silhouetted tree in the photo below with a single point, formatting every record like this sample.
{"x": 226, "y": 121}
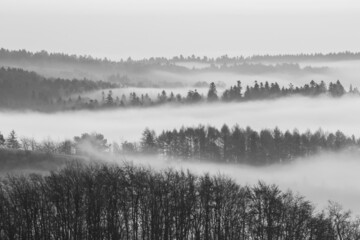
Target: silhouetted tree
{"x": 109, "y": 99}
{"x": 12, "y": 141}
{"x": 148, "y": 142}
{"x": 212, "y": 93}
{"x": 2, "y": 140}
{"x": 87, "y": 143}
{"x": 127, "y": 202}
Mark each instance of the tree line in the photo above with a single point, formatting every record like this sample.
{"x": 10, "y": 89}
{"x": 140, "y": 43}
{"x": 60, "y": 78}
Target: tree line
{"x": 21, "y": 89}
{"x": 259, "y": 91}
{"x": 128, "y": 202}
{"x": 237, "y": 145}
{"x": 225, "y": 145}
{"x": 46, "y": 57}
{"x": 86, "y": 63}
{"x": 79, "y": 145}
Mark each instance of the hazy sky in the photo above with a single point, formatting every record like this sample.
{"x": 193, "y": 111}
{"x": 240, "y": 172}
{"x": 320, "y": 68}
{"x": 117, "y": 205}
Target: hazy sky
{"x": 144, "y": 28}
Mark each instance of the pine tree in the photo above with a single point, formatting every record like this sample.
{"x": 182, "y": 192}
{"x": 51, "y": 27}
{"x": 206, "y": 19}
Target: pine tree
{"x": 148, "y": 142}
{"x": 2, "y": 140}
{"x": 12, "y": 141}
{"x": 109, "y": 99}
{"x": 212, "y": 93}
{"x": 225, "y": 137}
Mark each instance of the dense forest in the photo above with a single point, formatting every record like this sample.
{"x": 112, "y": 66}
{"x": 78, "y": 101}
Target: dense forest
{"x": 208, "y": 144}
{"x": 20, "y": 89}
{"x": 127, "y": 202}
{"x": 259, "y": 91}
{"x": 237, "y": 145}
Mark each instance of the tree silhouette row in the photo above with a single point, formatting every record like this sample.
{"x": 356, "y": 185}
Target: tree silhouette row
{"x": 259, "y": 91}
{"x": 225, "y": 145}
{"x": 127, "y": 202}
{"x": 237, "y": 145}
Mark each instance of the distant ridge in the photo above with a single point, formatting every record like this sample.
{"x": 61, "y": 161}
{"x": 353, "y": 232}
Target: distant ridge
{"x": 73, "y": 58}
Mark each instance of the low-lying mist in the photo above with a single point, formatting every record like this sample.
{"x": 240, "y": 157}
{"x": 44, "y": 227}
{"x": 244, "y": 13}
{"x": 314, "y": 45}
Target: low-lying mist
{"x": 152, "y": 92}
{"x": 320, "y": 178}
{"x": 331, "y": 114}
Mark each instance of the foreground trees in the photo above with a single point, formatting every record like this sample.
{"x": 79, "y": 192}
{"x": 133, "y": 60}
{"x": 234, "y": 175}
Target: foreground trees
{"x": 126, "y": 202}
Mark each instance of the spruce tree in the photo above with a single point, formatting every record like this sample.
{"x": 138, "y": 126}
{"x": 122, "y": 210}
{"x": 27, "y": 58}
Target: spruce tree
{"x": 212, "y": 93}
{"x": 2, "y": 140}
{"x": 12, "y": 141}
{"x": 148, "y": 142}
{"x": 109, "y": 99}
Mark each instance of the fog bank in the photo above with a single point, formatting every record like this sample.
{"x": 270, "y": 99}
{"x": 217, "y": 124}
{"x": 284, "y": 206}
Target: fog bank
{"x": 118, "y": 125}
{"x": 320, "y": 178}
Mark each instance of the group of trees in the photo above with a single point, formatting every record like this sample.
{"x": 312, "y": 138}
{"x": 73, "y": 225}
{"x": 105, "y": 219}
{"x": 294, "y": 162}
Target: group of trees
{"x": 266, "y": 90}
{"x": 339, "y": 56}
{"x": 10, "y": 142}
{"x": 225, "y": 59}
{"x": 80, "y": 145}
{"x": 233, "y": 94}
{"x": 30, "y": 144}
{"x": 21, "y": 89}
{"x": 127, "y": 202}
{"x": 42, "y": 57}
{"x": 225, "y": 145}
{"x": 23, "y": 58}
{"x": 238, "y": 145}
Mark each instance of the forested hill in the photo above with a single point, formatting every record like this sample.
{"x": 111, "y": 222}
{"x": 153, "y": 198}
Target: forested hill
{"x": 339, "y": 56}
{"x": 20, "y": 89}
{"x": 43, "y": 59}
{"x": 25, "y": 90}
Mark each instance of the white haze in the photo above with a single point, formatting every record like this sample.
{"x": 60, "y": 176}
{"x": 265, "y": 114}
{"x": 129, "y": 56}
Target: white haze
{"x": 152, "y": 92}
{"x": 324, "y": 177}
{"x": 320, "y": 178}
{"x": 303, "y": 113}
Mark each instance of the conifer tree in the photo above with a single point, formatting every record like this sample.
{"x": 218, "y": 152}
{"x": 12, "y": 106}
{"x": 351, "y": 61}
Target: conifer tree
{"x": 12, "y": 141}
{"x": 212, "y": 93}
{"x": 2, "y": 140}
{"x": 148, "y": 142}
{"x": 109, "y": 99}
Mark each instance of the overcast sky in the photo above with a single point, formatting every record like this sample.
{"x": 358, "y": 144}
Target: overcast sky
{"x": 144, "y": 28}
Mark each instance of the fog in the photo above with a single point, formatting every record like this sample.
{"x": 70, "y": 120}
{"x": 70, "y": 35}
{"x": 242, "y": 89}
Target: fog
{"x": 230, "y": 79}
{"x": 152, "y": 92}
{"x": 348, "y": 72}
{"x": 319, "y": 178}
{"x": 324, "y": 177}
{"x": 118, "y": 125}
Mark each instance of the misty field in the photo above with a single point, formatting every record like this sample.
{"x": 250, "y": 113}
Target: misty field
{"x": 301, "y": 113}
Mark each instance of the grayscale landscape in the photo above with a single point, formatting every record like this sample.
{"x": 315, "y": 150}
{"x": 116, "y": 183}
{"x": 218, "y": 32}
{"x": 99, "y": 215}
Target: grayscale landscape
{"x": 180, "y": 120}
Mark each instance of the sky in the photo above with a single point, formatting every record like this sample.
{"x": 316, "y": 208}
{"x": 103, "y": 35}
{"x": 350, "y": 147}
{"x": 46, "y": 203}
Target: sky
{"x": 146, "y": 28}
